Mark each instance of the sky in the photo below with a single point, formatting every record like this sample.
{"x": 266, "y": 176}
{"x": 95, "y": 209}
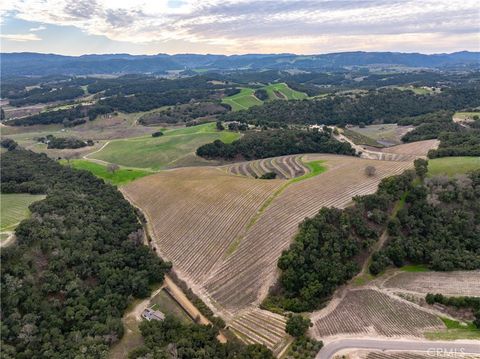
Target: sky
{"x": 75, "y": 27}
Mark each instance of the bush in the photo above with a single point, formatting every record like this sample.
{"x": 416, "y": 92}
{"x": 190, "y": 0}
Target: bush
{"x": 157, "y": 134}
{"x": 297, "y": 325}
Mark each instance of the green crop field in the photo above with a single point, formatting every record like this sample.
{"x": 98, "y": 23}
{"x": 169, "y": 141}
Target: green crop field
{"x": 452, "y": 165}
{"x": 14, "y": 208}
{"x": 157, "y": 153}
{"x": 242, "y": 100}
{"x": 246, "y": 98}
{"x": 119, "y": 177}
{"x": 281, "y": 91}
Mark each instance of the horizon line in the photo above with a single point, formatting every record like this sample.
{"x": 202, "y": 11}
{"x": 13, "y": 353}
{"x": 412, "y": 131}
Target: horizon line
{"x": 242, "y": 54}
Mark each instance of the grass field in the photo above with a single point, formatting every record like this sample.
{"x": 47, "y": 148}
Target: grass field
{"x": 385, "y": 134}
{"x": 360, "y": 139}
{"x": 466, "y": 115}
{"x": 120, "y": 177}
{"x": 455, "y": 330}
{"x": 161, "y": 152}
{"x": 281, "y": 91}
{"x": 246, "y": 98}
{"x": 166, "y": 304}
{"x": 14, "y": 208}
{"x": 452, "y": 165}
{"x": 242, "y": 100}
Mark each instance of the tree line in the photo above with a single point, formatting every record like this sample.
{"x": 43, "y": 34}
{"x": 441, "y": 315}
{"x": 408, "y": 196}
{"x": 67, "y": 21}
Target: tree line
{"x": 271, "y": 143}
{"x": 76, "y": 265}
{"x": 437, "y": 226}
{"x": 68, "y": 117}
{"x": 170, "y": 338}
{"x": 379, "y": 106}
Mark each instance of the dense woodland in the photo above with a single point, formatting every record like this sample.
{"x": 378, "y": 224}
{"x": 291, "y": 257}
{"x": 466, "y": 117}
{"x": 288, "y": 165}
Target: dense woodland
{"x": 45, "y": 94}
{"x": 437, "y": 226}
{"x": 183, "y": 113}
{"x": 465, "y": 142}
{"x": 382, "y": 106}
{"x": 329, "y": 248}
{"x": 271, "y": 143}
{"x": 77, "y": 263}
{"x": 171, "y": 338}
{"x": 68, "y": 117}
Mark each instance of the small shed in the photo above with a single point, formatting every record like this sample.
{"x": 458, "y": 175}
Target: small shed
{"x": 151, "y": 314}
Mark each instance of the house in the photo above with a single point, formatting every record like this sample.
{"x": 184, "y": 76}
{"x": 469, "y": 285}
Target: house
{"x": 150, "y": 314}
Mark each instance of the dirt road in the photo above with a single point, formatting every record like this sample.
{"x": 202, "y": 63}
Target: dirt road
{"x": 430, "y": 347}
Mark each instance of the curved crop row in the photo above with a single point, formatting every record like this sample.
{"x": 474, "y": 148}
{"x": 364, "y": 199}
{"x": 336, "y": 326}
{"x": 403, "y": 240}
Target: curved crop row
{"x": 285, "y": 167}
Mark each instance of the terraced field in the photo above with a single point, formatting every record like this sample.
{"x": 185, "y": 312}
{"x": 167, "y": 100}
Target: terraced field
{"x": 285, "y": 167}
{"x": 458, "y": 283}
{"x": 371, "y": 312}
{"x": 262, "y": 327}
{"x": 245, "y": 276}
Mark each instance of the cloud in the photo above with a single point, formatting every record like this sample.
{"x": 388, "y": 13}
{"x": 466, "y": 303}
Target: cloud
{"x": 20, "y": 37}
{"x": 252, "y": 25}
{"x": 38, "y": 28}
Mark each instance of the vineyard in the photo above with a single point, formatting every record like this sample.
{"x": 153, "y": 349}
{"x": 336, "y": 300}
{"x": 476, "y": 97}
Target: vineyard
{"x": 260, "y": 326}
{"x": 224, "y": 230}
{"x": 458, "y": 283}
{"x": 404, "y": 152}
{"x": 197, "y": 213}
{"x": 285, "y": 167}
{"x": 371, "y": 312}
{"x": 245, "y": 276}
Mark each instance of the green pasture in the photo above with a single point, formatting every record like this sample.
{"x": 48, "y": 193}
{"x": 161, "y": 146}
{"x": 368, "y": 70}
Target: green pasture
{"x": 242, "y": 100}
{"x": 245, "y": 98}
{"x": 157, "y": 153}
{"x": 119, "y": 177}
{"x": 451, "y": 166}
{"x": 286, "y": 93}
{"x": 14, "y": 208}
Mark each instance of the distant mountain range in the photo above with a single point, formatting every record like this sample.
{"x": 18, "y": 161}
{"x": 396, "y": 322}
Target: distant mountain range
{"x": 27, "y": 63}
